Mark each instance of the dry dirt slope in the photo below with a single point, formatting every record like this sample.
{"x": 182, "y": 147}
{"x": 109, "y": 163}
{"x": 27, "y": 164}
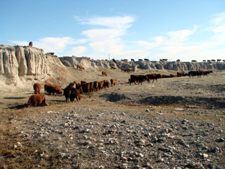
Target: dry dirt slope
{"x": 176, "y": 122}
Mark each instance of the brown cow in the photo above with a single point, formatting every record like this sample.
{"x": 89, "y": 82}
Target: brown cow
{"x": 198, "y": 73}
{"x": 36, "y": 99}
{"x": 129, "y": 70}
{"x": 49, "y": 88}
{"x": 37, "y": 88}
{"x": 78, "y": 94}
{"x": 137, "y": 78}
{"x": 113, "y": 82}
{"x": 165, "y": 76}
{"x": 171, "y": 75}
{"x": 106, "y": 83}
{"x": 206, "y": 72}
{"x": 179, "y": 74}
{"x": 52, "y": 89}
{"x": 79, "y": 87}
{"x": 85, "y": 87}
{"x": 101, "y": 85}
{"x": 58, "y": 89}
{"x": 194, "y": 73}
{"x": 80, "y": 67}
{"x": 82, "y": 82}
{"x": 104, "y": 73}
{"x": 73, "y": 84}
{"x": 113, "y": 67}
{"x": 91, "y": 86}
{"x": 96, "y": 85}
{"x": 153, "y": 77}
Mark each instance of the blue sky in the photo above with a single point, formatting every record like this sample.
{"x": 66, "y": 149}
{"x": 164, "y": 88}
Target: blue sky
{"x": 120, "y": 29}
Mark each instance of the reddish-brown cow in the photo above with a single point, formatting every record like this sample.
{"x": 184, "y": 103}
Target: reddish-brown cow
{"x": 82, "y": 82}
{"x": 80, "y": 67}
{"x": 101, "y": 84}
{"x": 37, "y": 88}
{"x": 179, "y": 74}
{"x": 36, "y": 99}
{"x": 137, "y": 78}
{"x": 85, "y": 87}
{"x": 106, "y": 83}
{"x": 91, "y": 86}
{"x": 79, "y": 87}
{"x": 113, "y": 67}
{"x": 113, "y": 82}
{"x": 78, "y": 94}
{"x": 73, "y": 84}
{"x": 96, "y": 85}
{"x": 104, "y": 73}
{"x": 153, "y": 77}
{"x": 53, "y": 89}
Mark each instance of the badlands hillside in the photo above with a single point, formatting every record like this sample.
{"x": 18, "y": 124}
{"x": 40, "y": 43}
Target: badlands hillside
{"x": 173, "y": 123}
{"x": 22, "y": 66}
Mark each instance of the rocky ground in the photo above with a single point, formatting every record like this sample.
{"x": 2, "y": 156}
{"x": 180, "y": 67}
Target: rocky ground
{"x": 173, "y": 123}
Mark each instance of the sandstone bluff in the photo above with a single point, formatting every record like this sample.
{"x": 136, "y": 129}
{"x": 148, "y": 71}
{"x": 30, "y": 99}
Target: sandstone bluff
{"x": 20, "y": 63}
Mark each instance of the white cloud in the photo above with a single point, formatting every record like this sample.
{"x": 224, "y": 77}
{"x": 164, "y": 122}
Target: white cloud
{"x": 219, "y": 29}
{"x": 53, "y": 44}
{"x": 118, "y": 22}
{"x": 106, "y": 40}
{"x": 21, "y": 43}
{"x": 218, "y": 19}
{"x": 103, "y": 34}
{"x": 180, "y": 35}
{"x": 180, "y": 44}
{"x": 106, "y": 37}
{"x": 77, "y": 51}
{"x": 149, "y": 45}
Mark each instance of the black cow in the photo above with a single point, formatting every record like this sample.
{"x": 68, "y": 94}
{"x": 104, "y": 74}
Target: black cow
{"x": 70, "y": 93}
{"x": 137, "y": 78}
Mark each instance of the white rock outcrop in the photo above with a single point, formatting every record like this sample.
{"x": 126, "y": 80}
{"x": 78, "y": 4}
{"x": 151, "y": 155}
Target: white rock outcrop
{"x": 22, "y": 60}
{"x": 8, "y": 61}
{"x": 149, "y": 65}
{"x": 24, "y": 65}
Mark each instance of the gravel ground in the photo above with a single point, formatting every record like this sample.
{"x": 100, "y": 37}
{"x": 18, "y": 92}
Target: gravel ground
{"x": 173, "y": 123}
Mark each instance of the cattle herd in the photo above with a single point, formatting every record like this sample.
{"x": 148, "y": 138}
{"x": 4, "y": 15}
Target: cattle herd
{"x": 141, "y": 78}
{"x": 71, "y": 92}
{"x": 74, "y": 90}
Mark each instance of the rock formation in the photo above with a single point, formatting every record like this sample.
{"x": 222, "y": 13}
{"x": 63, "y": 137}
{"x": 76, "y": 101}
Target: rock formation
{"x": 19, "y": 63}
{"x": 149, "y": 65}
{"x": 22, "y": 60}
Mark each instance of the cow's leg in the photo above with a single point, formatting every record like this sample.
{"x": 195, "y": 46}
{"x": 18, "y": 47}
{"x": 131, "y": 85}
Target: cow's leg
{"x": 43, "y": 102}
{"x": 35, "y": 103}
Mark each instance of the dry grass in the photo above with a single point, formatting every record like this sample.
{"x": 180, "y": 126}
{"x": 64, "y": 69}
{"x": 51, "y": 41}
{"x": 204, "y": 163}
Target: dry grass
{"x": 34, "y": 155}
